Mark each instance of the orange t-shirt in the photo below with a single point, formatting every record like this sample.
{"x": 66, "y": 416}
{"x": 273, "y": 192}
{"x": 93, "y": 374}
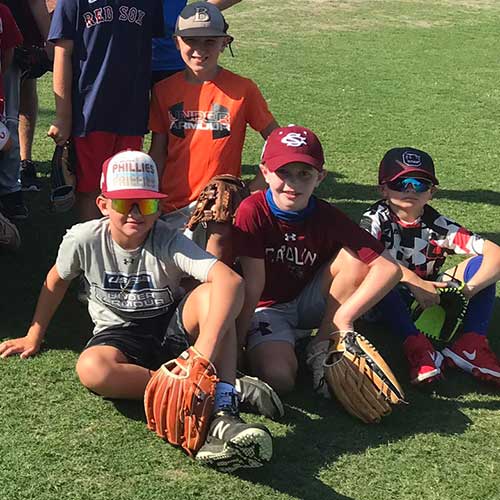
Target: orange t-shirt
{"x": 206, "y": 126}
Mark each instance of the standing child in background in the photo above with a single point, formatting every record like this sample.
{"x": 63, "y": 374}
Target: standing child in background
{"x": 306, "y": 264}
{"x": 102, "y": 71}
{"x": 11, "y": 197}
{"x": 134, "y": 263}
{"x": 420, "y": 239}
{"x": 199, "y": 118}
{"x": 9, "y": 38}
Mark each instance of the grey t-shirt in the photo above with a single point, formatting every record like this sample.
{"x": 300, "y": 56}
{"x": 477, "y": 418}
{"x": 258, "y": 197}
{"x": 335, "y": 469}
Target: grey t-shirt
{"x": 130, "y": 285}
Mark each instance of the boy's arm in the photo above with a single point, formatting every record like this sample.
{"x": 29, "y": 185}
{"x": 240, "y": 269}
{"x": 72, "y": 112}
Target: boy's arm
{"x": 226, "y": 300}
{"x": 255, "y": 276}
{"x": 51, "y": 295}
{"x": 424, "y": 291}
{"x": 40, "y": 13}
{"x": 60, "y": 130}
{"x": 383, "y": 274}
{"x": 488, "y": 273}
{"x": 158, "y": 150}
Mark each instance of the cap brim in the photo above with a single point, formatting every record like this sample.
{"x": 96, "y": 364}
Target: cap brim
{"x": 406, "y": 171}
{"x": 277, "y": 162}
{"x": 134, "y": 194}
{"x": 199, "y": 32}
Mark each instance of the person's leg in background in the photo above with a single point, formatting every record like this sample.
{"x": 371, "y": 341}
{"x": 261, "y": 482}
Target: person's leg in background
{"x": 28, "y": 112}
{"x": 11, "y": 196}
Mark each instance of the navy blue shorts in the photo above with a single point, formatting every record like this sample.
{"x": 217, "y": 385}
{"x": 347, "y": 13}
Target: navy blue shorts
{"x": 148, "y": 342}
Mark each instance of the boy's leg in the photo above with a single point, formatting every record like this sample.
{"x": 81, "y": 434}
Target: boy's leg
{"x": 231, "y": 444}
{"x": 471, "y": 350}
{"x": 105, "y": 370}
{"x": 337, "y": 281}
{"x": 271, "y": 346}
{"x": 28, "y": 112}
{"x": 11, "y": 196}
{"x": 276, "y": 364}
{"x": 340, "y": 280}
{"x": 424, "y": 361}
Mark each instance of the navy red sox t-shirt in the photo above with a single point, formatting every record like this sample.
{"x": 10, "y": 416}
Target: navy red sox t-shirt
{"x": 111, "y": 61}
{"x": 294, "y": 252}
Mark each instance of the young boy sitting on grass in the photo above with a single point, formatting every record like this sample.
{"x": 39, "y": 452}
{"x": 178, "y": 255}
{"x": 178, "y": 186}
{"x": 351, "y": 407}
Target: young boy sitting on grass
{"x": 198, "y": 120}
{"x": 306, "y": 264}
{"x": 133, "y": 263}
{"x": 419, "y": 238}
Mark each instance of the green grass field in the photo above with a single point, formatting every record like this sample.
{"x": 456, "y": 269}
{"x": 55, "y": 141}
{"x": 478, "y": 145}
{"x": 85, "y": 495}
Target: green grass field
{"x": 367, "y": 75}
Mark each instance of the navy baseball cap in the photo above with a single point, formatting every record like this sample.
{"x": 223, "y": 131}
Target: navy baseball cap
{"x": 406, "y": 161}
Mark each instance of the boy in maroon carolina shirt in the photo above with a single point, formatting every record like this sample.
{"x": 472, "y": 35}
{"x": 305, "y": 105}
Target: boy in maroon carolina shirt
{"x": 306, "y": 264}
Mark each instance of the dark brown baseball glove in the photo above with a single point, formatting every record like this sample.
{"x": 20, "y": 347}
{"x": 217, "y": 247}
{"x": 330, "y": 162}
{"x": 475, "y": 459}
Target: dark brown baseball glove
{"x": 219, "y": 200}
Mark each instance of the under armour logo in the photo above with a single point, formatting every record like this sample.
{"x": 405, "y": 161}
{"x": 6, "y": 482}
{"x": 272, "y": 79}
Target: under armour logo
{"x": 290, "y": 237}
{"x": 201, "y": 15}
{"x": 411, "y": 159}
{"x": 262, "y": 328}
{"x": 126, "y": 260}
{"x": 294, "y": 140}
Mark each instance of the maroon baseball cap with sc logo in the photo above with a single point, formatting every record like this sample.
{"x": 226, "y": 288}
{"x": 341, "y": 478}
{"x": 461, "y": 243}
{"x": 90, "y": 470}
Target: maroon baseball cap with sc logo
{"x": 405, "y": 161}
{"x": 292, "y": 144}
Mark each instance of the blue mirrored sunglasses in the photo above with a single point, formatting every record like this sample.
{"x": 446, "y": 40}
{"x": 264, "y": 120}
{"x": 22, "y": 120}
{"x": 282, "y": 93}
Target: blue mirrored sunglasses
{"x": 418, "y": 185}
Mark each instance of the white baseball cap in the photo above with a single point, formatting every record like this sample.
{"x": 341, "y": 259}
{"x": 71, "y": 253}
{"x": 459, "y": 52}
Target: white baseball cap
{"x": 130, "y": 175}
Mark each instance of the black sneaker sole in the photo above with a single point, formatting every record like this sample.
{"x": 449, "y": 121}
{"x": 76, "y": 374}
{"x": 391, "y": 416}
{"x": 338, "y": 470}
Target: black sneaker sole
{"x": 249, "y": 449}
{"x": 30, "y": 188}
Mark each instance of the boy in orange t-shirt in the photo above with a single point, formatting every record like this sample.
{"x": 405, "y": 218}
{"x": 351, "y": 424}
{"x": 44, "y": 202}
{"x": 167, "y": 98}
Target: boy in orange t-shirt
{"x": 199, "y": 116}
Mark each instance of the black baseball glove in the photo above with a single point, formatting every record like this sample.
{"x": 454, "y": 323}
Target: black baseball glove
{"x": 33, "y": 61}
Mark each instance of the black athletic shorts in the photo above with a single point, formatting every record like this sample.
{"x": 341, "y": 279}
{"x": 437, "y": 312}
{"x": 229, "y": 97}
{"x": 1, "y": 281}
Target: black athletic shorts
{"x": 148, "y": 342}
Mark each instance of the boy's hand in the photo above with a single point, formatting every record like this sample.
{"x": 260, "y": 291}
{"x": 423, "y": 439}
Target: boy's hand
{"x": 24, "y": 346}
{"x": 425, "y": 292}
{"x": 60, "y": 131}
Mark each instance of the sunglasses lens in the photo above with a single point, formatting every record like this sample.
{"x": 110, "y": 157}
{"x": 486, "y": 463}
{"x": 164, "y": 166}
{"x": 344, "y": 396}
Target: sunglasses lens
{"x": 418, "y": 185}
{"x": 146, "y": 206}
{"x": 121, "y": 206}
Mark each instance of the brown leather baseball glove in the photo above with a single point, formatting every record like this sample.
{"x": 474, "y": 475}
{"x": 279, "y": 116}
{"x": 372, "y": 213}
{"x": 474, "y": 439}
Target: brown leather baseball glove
{"x": 179, "y": 400}
{"x": 219, "y": 200}
{"x": 359, "y": 377}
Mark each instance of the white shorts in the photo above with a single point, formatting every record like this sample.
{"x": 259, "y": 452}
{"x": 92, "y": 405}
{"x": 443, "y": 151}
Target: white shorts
{"x": 292, "y": 320}
{"x": 178, "y": 220}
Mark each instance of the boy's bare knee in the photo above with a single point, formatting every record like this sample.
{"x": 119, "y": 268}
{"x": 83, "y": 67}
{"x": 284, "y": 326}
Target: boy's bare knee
{"x": 347, "y": 265}
{"x": 94, "y": 373}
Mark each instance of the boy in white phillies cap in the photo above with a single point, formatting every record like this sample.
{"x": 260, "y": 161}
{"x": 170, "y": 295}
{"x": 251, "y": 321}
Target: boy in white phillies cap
{"x": 133, "y": 264}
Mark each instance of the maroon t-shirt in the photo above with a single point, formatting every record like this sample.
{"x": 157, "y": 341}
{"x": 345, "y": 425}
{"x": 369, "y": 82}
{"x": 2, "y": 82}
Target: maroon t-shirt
{"x": 294, "y": 252}
{"x": 10, "y": 37}
{"x": 24, "y": 18}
